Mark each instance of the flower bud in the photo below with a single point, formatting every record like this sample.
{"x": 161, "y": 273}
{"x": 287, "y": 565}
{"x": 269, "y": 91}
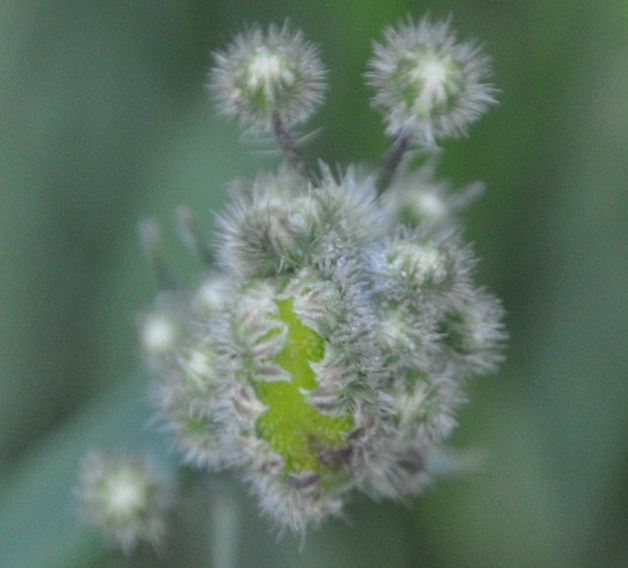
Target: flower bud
{"x": 124, "y": 497}
{"x": 192, "y": 405}
{"x": 159, "y": 333}
{"x": 268, "y": 75}
{"x": 211, "y": 295}
{"x": 472, "y": 334}
{"x": 269, "y": 227}
{"x": 420, "y": 199}
{"x": 427, "y": 85}
{"x": 163, "y": 329}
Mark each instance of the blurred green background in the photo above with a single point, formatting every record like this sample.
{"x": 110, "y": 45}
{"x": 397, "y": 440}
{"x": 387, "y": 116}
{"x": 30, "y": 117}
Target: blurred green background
{"x": 104, "y": 120}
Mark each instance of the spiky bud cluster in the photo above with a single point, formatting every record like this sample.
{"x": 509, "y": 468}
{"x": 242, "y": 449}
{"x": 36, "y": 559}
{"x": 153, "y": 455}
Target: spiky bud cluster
{"x": 268, "y": 76}
{"x": 427, "y": 84}
{"x": 123, "y": 496}
{"x": 327, "y": 349}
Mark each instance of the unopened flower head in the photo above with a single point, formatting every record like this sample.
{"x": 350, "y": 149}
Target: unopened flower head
{"x": 420, "y": 198}
{"x": 265, "y": 76}
{"x": 427, "y": 85}
{"x": 125, "y": 498}
{"x": 163, "y": 329}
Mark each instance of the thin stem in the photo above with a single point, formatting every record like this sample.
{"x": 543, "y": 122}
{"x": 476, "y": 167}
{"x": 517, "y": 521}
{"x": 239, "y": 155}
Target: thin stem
{"x": 289, "y": 146}
{"x": 193, "y": 236}
{"x": 392, "y": 159}
{"x": 225, "y": 523}
{"x": 151, "y": 242}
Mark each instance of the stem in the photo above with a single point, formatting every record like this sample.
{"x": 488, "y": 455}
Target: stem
{"x": 392, "y": 159}
{"x": 289, "y": 147}
{"x": 151, "y": 242}
{"x": 225, "y": 524}
{"x": 193, "y": 236}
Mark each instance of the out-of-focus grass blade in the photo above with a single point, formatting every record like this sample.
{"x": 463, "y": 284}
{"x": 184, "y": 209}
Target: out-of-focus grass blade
{"x": 39, "y": 525}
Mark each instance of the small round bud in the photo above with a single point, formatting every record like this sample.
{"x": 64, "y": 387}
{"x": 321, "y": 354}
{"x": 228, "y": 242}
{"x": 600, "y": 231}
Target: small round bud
{"x": 267, "y": 76}
{"x": 473, "y": 334}
{"x": 211, "y": 295}
{"x": 159, "y": 333}
{"x": 280, "y": 223}
{"x": 427, "y": 85}
{"x": 124, "y": 497}
{"x": 163, "y": 329}
{"x": 423, "y": 264}
{"x": 192, "y": 407}
{"x": 269, "y": 228}
{"x": 421, "y": 200}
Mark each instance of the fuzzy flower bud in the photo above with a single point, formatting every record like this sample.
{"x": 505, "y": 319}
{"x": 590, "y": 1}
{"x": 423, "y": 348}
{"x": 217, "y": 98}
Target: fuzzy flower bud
{"x": 426, "y": 84}
{"x": 265, "y": 76}
{"x": 124, "y": 498}
{"x": 163, "y": 329}
{"x": 420, "y": 199}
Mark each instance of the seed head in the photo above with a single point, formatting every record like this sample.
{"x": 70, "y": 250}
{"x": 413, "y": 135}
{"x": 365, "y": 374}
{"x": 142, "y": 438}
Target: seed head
{"x": 426, "y": 84}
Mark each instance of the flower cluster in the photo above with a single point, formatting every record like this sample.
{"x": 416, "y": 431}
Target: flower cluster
{"x": 328, "y": 351}
{"x": 327, "y": 348}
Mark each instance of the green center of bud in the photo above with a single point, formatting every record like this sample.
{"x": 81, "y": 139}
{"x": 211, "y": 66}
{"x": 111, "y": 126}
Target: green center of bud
{"x": 267, "y": 66}
{"x": 124, "y": 495}
{"x": 291, "y": 426}
{"x": 429, "y": 83}
{"x": 268, "y": 78}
